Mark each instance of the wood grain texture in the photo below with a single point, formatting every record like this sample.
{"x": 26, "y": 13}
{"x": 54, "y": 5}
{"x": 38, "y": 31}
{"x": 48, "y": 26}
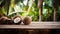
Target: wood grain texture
{"x": 33, "y": 25}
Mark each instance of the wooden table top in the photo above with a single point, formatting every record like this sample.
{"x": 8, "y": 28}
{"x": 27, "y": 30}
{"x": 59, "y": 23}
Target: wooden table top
{"x": 33, "y": 25}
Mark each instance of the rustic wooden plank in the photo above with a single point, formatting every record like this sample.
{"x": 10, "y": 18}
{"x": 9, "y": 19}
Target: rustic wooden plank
{"x": 34, "y": 25}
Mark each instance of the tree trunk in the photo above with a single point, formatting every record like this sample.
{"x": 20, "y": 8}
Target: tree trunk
{"x": 40, "y": 3}
{"x": 7, "y": 6}
{"x": 55, "y": 14}
{"x": 55, "y": 4}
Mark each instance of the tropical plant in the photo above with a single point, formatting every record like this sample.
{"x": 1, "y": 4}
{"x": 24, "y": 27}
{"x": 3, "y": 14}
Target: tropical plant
{"x": 24, "y": 8}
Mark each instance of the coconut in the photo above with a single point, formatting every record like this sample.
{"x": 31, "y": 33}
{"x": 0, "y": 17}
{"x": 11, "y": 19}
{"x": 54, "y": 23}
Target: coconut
{"x": 17, "y": 19}
{"x": 27, "y": 20}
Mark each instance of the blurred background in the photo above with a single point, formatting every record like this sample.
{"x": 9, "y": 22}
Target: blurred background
{"x": 20, "y": 7}
{"x": 30, "y": 8}
{"x": 38, "y": 10}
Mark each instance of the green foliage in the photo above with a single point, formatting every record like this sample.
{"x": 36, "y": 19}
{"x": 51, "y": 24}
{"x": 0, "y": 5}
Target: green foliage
{"x": 47, "y": 13}
{"x": 29, "y": 8}
{"x": 49, "y": 3}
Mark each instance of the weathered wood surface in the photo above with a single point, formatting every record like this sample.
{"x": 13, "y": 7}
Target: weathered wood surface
{"x": 34, "y": 25}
